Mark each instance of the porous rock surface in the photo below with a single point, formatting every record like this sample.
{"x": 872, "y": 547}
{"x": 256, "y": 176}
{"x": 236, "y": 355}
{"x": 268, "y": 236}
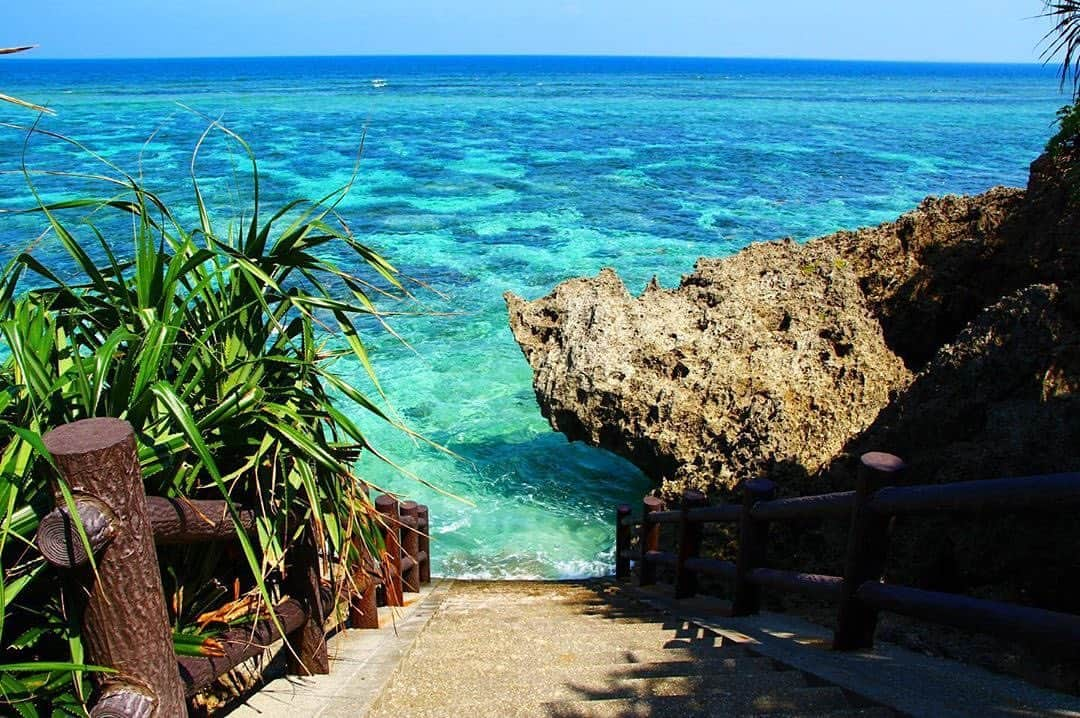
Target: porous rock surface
{"x": 786, "y": 359}
{"x": 770, "y": 356}
{"x": 1000, "y": 400}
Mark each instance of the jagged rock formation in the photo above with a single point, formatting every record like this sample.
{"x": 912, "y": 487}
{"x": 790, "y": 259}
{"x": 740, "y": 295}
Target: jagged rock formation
{"x": 767, "y": 357}
{"x": 1003, "y": 399}
{"x": 785, "y": 358}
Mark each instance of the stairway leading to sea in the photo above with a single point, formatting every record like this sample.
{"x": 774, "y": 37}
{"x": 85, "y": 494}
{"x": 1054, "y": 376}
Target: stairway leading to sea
{"x": 604, "y": 649}
{"x": 507, "y": 649}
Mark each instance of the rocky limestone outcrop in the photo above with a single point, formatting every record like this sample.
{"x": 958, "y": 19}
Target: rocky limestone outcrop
{"x": 766, "y": 358}
{"x": 1001, "y": 399}
{"x": 784, "y": 359}
{"x": 950, "y": 337}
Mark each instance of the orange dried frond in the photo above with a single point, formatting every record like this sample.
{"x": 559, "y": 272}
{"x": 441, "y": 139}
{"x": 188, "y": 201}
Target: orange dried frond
{"x": 250, "y": 606}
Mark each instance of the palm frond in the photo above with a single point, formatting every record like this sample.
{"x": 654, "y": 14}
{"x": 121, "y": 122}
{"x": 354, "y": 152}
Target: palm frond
{"x": 16, "y": 100}
{"x": 1064, "y": 39}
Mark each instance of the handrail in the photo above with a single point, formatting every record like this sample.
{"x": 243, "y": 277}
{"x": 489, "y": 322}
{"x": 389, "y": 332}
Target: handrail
{"x": 712, "y": 567}
{"x": 664, "y": 558}
{"x": 664, "y": 517}
{"x": 859, "y": 591}
{"x": 811, "y": 584}
{"x": 805, "y": 507}
{"x": 1051, "y": 628}
{"x": 988, "y": 495}
{"x": 98, "y": 463}
{"x": 703, "y": 515}
{"x": 238, "y": 645}
{"x": 715, "y": 514}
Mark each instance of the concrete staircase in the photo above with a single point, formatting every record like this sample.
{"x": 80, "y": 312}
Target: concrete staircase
{"x": 586, "y": 649}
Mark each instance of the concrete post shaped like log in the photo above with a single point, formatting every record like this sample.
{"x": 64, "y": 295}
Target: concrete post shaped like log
{"x": 753, "y": 535}
{"x": 650, "y": 539}
{"x": 868, "y": 543}
{"x": 423, "y": 525}
{"x": 391, "y": 530}
{"x": 125, "y": 623}
{"x": 410, "y": 545}
{"x": 120, "y": 700}
{"x": 622, "y": 543}
{"x": 58, "y": 537}
{"x": 308, "y": 655}
{"x": 686, "y": 580}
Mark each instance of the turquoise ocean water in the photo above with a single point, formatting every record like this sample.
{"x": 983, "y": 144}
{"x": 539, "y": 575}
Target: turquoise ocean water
{"x": 481, "y": 175}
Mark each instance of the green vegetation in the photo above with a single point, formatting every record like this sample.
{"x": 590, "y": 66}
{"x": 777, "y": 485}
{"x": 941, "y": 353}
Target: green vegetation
{"x": 1067, "y": 138}
{"x": 1064, "y": 39}
{"x": 16, "y": 100}
{"x": 218, "y": 343}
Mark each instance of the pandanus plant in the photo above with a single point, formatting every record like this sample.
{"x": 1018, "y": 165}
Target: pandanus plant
{"x": 221, "y": 342}
{"x": 16, "y": 100}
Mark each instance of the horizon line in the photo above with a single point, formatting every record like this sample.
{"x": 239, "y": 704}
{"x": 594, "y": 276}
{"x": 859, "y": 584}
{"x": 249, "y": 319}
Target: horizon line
{"x": 600, "y": 56}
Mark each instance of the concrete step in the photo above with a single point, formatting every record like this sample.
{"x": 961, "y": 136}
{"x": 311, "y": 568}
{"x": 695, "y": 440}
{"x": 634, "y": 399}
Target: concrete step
{"x": 525, "y": 631}
{"x": 513, "y": 703}
{"x": 552, "y": 650}
{"x": 555, "y": 616}
{"x": 523, "y": 647}
{"x": 602, "y": 656}
{"x": 767, "y": 692}
{"x": 683, "y": 707}
{"x": 562, "y": 665}
{"x": 555, "y": 607}
{"x": 576, "y": 669}
{"x": 495, "y": 620}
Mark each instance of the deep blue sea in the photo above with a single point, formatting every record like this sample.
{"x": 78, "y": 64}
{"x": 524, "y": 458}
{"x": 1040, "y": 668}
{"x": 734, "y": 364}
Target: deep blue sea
{"x": 486, "y": 174}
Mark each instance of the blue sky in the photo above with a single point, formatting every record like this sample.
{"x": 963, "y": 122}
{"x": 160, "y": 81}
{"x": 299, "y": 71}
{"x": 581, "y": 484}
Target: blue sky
{"x": 971, "y": 30}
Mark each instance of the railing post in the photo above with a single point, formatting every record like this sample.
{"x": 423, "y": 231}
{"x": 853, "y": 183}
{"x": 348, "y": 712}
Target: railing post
{"x": 622, "y": 543}
{"x": 125, "y": 623}
{"x": 363, "y": 604}
{"x": 650, "y": 539}
{"x": 410, "y": 545}
{"x": 686, "y": 583}
{"x": 868, "y": 542}
{"x": 753, "y": 535}
{"x": 363, "y": 607}
{"x": 303, "y": 582}
{"x": 423, "y": 525}
{"x": 391, "y": 531}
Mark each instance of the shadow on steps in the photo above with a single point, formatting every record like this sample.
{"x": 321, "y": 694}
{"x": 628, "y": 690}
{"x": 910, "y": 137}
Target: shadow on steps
{"x": 589, "y": 649}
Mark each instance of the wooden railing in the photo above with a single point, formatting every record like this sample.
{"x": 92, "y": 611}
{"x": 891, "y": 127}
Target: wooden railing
{"x": 860, "y": 593}
{"x": 125, "y": 625}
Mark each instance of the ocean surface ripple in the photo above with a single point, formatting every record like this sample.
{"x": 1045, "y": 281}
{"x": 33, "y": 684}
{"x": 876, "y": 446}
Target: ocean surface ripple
{"x": 483, "y": 174}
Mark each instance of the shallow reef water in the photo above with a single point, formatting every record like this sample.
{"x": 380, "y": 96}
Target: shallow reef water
{"x": 483, "y": 174}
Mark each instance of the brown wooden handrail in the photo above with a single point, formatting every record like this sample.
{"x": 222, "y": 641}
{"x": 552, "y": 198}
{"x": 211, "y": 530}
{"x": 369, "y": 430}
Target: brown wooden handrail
{"x": 859, "y": 593}
{"x": 98, "y": 463}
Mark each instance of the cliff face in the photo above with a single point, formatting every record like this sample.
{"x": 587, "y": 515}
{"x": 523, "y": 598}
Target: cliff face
{"x": 1002, "y": 399}
{"x": 950, "y": 337}
{"x": 917, "y": 336}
